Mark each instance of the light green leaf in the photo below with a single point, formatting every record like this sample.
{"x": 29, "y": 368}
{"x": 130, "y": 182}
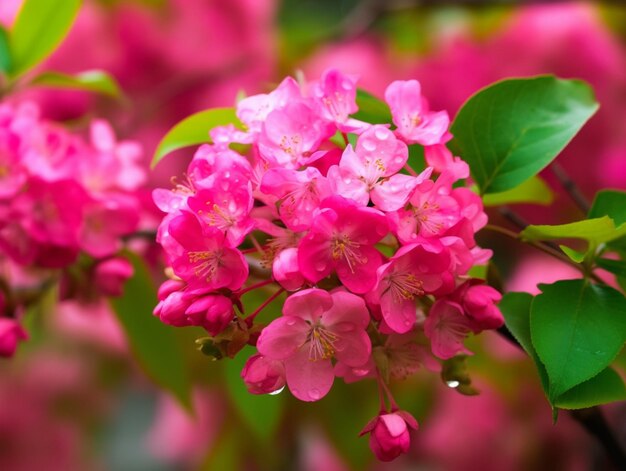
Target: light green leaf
{"x": 511, "y": 130}
{"x": 371, "y": 109}
{"x": 604, "y": 388}
{"x": 515, "y": 308}
{"x": 96, "y": 81}
{"x": 534, "y": 191}
{"x": 5, "y": 53}
{"x": 262, "y": 413}
{"x": 596, "y": 230}
{"x": 194, "y": 130}
{"x": 573, "y": 255}
{"x": 40, "y": 26}
{"x": 577, "y": 329}
{"x": 152, "y": 343}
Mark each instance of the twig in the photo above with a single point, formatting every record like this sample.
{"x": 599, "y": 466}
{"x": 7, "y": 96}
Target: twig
{"x": 570, "y": 187}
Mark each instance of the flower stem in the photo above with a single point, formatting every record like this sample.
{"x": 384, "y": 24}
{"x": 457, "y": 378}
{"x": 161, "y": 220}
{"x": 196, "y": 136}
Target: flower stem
{"x": 251, "y": 317}
{"x": 255, "y": 286}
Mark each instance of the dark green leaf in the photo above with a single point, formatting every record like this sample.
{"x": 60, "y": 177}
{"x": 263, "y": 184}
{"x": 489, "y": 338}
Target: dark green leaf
{"x": 603, "y": 388}
{"x": 194, "y": 130}
{"x": 96, "y": 81}
{"x": 371, "y": 109}
{"x": 511, "y": 130}
{"x": 153, "y": 343}
{"x": 534, "y": 191}
{"x": 610, "y": 203}
{"x": 39, "y": 28}
{"x": 577, "y": 329}
{"x": 596, "y": 230}
{"x": 262, "y": 413}
{"x": 515, "y": 308}
{"x": 5, "y": 53}
{"x": 617, "y": 267}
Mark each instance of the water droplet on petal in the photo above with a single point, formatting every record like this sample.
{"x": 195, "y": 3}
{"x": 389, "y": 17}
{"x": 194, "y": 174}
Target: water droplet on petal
{"x": 278, "y": 391}
{"x": 408, "y": 323}
{"x": 320, "y": 266}
{"x": 453, "y": 384}
{"x": 315, "y": 394}
{"x": 290, "y": 321}
{"x": 360, "y": 372}
{"x": 382, "y": 134}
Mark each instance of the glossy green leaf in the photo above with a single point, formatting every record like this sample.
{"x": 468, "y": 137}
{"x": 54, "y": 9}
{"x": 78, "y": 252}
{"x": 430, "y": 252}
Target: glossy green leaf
{"x": 515, "y": 308}
{"x": 577, "y": 329}
{"x": 96, "y": 81}
{"x": 194, "y": 130}
{"x": 511, "y": 130}
{"x": 534, "y": 191}
{"x": 604, "y": 388}
{"x": 39, "y": 28}
{"x": 262, "y": 413}
{"x": 371, "y": 109}
{"x": 5, "y": 53}
{"x": 596, "y": 230}
{"x": 152, "y": 343}
{"x": 610, "y": 203}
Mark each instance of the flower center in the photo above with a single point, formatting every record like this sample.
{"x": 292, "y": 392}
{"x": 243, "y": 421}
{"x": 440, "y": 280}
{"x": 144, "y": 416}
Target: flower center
{"x": 218, "y": 217}
{"x": 427, "y": 217}
{"x": 205, "y": 263}
{"x": 343, "y": 247}
{"x": 405, "y": 286}
{"x": 321, "y": 344}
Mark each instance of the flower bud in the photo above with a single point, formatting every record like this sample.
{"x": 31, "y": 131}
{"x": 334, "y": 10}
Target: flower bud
{"x": 11, "y": 332}
{"x": 389, "y": 434}
{"x": 286, "y": 269}
{"x": 262, "y": 375}
{"x": 110, "y": 276}
{"x": 479, "y": 302}
{"x": 213, "y": 312}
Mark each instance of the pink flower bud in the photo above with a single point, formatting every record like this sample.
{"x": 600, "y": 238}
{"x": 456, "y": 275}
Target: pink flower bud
{"x": 168, "y": 287}
{"x": 479, "y": 302}
{"x": 213, "y": 312}
{"x": 110, "y": 276}
{"x": 389, "y": 434}
{"x": 11, "y": 332}
{"x": 262, "y": 375}
{"x": 286, "y": 269}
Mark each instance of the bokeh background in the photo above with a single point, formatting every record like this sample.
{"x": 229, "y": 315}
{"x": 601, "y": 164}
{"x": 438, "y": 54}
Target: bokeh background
{"x": 73, "y": 398}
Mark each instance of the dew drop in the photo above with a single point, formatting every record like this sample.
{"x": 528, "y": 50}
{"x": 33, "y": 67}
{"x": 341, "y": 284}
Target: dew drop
{"x": 381, "y": 134}
{"x": 368, "y": 145}
{"x": 453, "y": 384}
{"x": 278, "y": 391}
{"x": 360, "y": 372}
{"x": 320, "y": 266}
{"x": 290, "y": 322}
{"x": 408, "y": 323}
{"x": 315, "y": 394}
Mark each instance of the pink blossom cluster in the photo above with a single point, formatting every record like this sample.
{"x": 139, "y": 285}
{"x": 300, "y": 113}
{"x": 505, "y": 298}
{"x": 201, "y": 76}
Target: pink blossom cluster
{"x": 61, "y": 196}
{"x": 374, "y": 256}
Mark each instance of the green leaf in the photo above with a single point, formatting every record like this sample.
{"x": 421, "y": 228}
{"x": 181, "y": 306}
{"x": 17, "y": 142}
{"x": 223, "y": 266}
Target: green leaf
{"x": 596, "y": 230}
{"x": 153, "y": 343}
{"x": 573, "y": 255}
{"x": 534, "y": 190}
{"x": 194, "y": 130}
{"x": 577, "y": 329}
{"x": 603, "y": 388}
{"x": 610, "y": 203}
{"x": 96, "y": 81}
{"x": 515, "y": 308}
{"x": 262, "y": 413}
{"x": 39, "y": 28}
{"x": 511, "y": 130}
{"x": 371, "y": 109}
{"x": 5, "y": 53}
{"x": 618, "y": 267}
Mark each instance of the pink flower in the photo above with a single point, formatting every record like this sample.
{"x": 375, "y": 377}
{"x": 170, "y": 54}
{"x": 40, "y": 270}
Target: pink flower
{"x": 291, "y": 134}
{"x": 224, "y": 204}
{"x": 336, "y": 95}
{"x": 111, "y": 275}
{"x": 416, "y": 124}
{"x": 371, "y": 170}
{"x": 447, "y": 326}
{"x": 262, "y": 375}
{"x": 342, "y": 239}
{"x": 205, "y": 261}
{"x": 11, "y": 333}
{"x": 479, "y": 302}
{"x": 286, "y": 270}
{"x": 212, "y": 311}
{"x": 317, "y": 326}
{"x": 389, "y": 434}
{"x": 415, "y": 270}
{"x": 299, "y": 194}
{"x": 441, "y": 159}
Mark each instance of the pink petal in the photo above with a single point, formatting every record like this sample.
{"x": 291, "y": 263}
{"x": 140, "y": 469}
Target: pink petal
{"x": 308, "y": 304}
{"x": 308, "y": 380}
{"x": 360, "y": 277}
{"x": 283, "y": 337}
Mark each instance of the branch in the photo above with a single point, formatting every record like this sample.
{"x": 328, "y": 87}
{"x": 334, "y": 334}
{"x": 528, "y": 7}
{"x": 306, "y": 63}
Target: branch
{"x": 571, "y": 188}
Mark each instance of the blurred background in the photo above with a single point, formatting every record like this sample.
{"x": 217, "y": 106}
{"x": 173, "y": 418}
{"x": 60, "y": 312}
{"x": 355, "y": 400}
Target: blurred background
{"x": 73, "y": 398}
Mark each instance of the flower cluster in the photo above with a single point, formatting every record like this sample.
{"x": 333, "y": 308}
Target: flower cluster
{"x": 60, "y": 196}
{"x": 330, "y": 209}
